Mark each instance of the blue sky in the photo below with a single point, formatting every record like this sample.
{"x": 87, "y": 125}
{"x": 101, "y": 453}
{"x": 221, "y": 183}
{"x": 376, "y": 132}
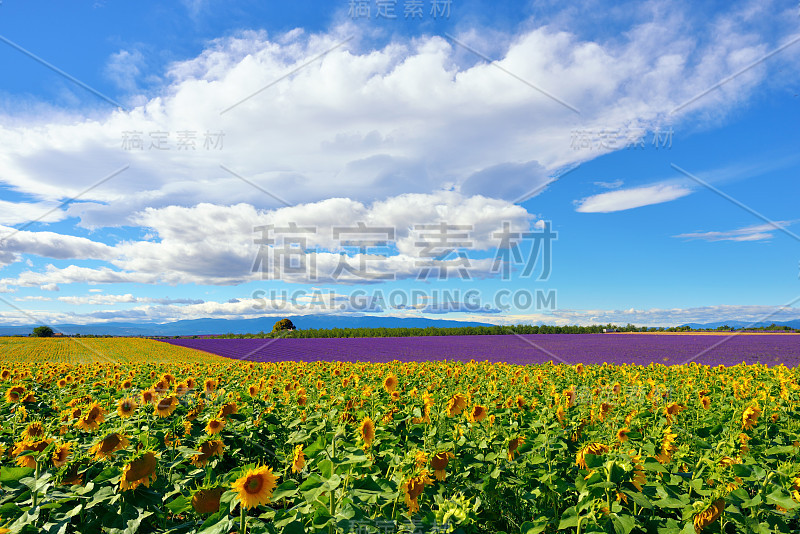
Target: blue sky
{"x": 658, "y": 139}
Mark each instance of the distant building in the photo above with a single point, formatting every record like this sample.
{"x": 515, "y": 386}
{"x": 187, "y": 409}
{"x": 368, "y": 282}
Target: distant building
{"x": 609, "y": 330}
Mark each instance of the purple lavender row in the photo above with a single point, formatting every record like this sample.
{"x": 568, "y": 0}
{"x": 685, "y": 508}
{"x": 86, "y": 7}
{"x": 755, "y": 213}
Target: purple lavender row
{"x": 568, "y": 348}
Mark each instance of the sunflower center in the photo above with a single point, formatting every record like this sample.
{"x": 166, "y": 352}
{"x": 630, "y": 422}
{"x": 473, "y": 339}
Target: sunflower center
{"x": 142, "y": 467}
{"x": 110, "y": 442}
{"x": 253, "y": 484}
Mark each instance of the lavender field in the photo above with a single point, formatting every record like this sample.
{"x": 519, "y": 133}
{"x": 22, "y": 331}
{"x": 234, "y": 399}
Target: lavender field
{"x": 770, "y": 349}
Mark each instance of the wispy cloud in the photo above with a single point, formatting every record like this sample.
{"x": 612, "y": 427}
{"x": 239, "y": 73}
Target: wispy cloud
{"x": 610, "y": 185}
{"x": 758, "y": 232}
{"x": 107, "y": 300}
{"x": 636, "y": 197}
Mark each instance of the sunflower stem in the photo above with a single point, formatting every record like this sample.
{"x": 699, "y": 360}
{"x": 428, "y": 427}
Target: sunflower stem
{"x": 242, "y": 520}
{"x": 332, "y": 496}
{"x": 36, "y": 477}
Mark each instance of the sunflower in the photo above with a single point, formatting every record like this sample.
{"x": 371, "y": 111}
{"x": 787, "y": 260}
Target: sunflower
{"x": 743, "y": 440}
{"x": 439, "y": 463}
{"x": 127, "y": 384}
{"x": 709, "y": 515}
{"x": 513, "y": 445}
{"x": 706, "y": 402}
{"x": 255, "y": 487}
{"x": 210, "y": 386}
{"x": 750, "y": 417}
{"x": 622, "y": 434}
{"x": 194, "y": 412}
{"x": 29, "y": 446}
{"x": 456, "y": 405}
{"x": 142, "y": 470}
{"x": 595, "y": 449}
{"x": 215, "y": 426}
{"x": 72, "y": 476}
{"x": 61, "y": 453}
{"x": 390, "y": 383}
{"x": 166, "y": 406}
{"x": 206, "y": 500}
{"x": 570, "y": 395}
{"x": 252, "y": 391}
{"x": 367, "y": 431}
{"x": 106, "y": 447}
{"x": 162, "y": 386}
{"x": 727, "y": 461}
{"x": 605, "y": 409}
{"x": 95, "y": 415}
{"x": 667, "y": 446}
{"x": 33, "y": 430}
{"x": 639, "y": 479}
{"x": 14, "y": 393}
{"x": 420, "y": 459}
{"x": 149, "y": 396}
{"x": 671, "y": 409}
{"x": 227, "y": 409}
{"x": 298, "y": 459}
{"x": 413, "y": 488}
{"x": 181, "y": 389}
{"x": 478, "y": 414}
{"x": 796, "y": 488}
{"x": 126, "y": 408}
{"x": 212, "y": 447}
{"x": 560, "y": 414}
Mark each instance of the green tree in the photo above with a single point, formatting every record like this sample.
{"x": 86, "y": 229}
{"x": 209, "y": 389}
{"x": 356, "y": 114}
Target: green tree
{"x": 283, "y": 324}
{"x": 42, "y": 331}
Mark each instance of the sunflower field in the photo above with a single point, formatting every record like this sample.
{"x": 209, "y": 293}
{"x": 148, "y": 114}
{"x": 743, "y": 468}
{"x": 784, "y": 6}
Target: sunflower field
{"x": 133, "y": 435}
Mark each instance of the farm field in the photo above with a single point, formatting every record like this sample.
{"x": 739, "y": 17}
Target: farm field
{"x": 132, "y": 435}
{"x": 641, "y": 349}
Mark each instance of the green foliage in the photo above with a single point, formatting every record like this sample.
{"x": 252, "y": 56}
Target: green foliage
{"x": 42, "y": 331}
{"x": 283, "y": 324}
{"x": 568, "y": 471}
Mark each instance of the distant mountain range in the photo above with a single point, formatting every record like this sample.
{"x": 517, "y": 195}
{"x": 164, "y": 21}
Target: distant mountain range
{"x": 742, "y": 324}
{"x": 244, "y": 326}
{"x": 238, "y": 326}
